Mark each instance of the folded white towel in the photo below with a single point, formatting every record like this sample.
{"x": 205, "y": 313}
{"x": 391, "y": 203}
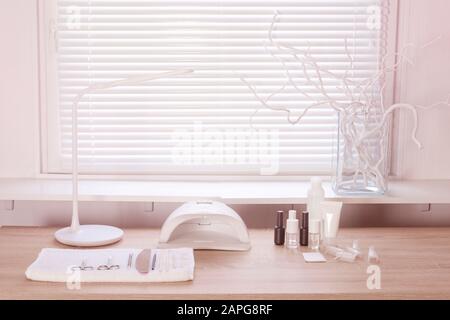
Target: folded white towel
{"x": 63, "y": 265}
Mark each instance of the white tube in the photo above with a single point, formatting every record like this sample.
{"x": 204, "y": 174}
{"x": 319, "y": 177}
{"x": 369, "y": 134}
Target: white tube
{"x": 331, "y": 216}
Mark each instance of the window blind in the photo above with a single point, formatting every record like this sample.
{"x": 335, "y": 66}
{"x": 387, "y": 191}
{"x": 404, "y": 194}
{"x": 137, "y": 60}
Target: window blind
{"x": 207, "y": 121}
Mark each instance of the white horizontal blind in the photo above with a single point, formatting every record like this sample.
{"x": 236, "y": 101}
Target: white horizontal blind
{"x": 203, "y": 122}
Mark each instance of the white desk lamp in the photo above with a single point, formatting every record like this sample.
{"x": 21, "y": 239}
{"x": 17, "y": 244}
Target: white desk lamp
{"x": 96, "y": 235}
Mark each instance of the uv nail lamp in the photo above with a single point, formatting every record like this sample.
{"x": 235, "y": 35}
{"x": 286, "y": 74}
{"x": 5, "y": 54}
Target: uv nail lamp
{"x": 205, "y": 225}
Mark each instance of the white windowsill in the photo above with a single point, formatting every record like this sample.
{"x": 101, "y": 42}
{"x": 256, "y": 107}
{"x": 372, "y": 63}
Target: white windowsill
{"x": 230, "y": 192}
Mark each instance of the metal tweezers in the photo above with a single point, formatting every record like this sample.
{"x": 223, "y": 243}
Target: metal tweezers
{"x": 130, "y": 260}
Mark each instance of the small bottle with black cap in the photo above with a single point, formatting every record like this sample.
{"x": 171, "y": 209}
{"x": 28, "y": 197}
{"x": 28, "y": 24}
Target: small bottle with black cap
{"x": 279, "y": 230}
{"x": 304, "y": 229}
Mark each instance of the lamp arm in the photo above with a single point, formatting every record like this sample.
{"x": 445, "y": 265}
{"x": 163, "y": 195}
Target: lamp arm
{"x": 75, "y": 224}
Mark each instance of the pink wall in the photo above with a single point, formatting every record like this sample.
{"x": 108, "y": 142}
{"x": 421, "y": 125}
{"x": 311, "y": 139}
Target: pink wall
{"x": 425, "y": 83}
{"x": 18, "y": 89}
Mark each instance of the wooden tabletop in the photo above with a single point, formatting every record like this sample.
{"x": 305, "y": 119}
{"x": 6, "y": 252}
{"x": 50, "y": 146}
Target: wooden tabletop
{"x": 415, "y": 263}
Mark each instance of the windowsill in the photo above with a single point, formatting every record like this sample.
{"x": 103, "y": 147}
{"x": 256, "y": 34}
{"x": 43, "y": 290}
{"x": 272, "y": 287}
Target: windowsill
{"x": 230, "y": 192}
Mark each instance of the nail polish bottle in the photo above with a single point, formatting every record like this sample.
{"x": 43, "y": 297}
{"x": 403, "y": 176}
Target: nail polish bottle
{"x": 279, "y": 229}
{"x": 292, "y": 232}
{"x": 314, "y": 235}
{"x": 304, "y": 234}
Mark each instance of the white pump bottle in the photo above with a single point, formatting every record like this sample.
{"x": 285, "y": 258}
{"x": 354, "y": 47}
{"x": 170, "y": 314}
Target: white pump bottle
{"x": 292, "y": 230}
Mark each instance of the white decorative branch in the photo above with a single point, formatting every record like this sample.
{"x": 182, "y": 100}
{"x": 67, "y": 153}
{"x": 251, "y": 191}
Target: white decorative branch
{"x": 363, "y": 115}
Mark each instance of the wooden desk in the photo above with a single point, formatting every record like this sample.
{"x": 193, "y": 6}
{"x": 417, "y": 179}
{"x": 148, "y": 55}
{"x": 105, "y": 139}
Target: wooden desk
{"x": 415, "y": 263}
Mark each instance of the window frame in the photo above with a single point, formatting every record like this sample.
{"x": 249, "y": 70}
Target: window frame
{"x": 51, "y": 166}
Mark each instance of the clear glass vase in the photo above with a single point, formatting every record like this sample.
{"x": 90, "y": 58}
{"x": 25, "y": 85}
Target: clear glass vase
{"x": 361, "y": 153}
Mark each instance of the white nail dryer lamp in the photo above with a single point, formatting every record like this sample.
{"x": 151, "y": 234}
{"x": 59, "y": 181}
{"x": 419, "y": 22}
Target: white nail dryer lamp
{"x": 206, "y": 225}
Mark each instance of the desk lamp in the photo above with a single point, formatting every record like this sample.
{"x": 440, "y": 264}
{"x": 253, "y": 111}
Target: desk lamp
{"x": 96, "y": 235}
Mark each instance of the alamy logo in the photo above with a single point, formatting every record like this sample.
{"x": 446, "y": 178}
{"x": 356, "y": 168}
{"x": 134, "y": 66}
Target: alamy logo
{"x": 374, "y": 18}
{"x": 256, "y": 148}
{"x": 374, "y": 280}
{"x": 73, "y": 18}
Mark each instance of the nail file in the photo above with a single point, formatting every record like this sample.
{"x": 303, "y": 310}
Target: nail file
{"x": 130, "y": 260}
{"x": 154, "y": 261}
{"x": 143, "y": 261}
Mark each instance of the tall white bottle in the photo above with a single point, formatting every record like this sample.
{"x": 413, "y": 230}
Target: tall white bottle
{"x": 316, "y": 194}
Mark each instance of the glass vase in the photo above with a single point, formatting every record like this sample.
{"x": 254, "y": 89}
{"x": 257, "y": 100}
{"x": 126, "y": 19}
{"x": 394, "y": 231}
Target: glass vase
{"x": 361, "y": 153}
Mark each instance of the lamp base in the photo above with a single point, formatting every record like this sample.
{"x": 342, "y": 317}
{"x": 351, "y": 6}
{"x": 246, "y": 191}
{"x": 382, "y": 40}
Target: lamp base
{"x": 89, "y": 235}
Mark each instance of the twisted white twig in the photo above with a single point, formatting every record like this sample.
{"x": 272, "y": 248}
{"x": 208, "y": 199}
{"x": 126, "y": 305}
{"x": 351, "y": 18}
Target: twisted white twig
{"x": 363, "y": 116}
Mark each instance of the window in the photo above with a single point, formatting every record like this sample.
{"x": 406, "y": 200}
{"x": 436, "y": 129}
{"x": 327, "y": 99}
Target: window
{"x": 207, "y": 121}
